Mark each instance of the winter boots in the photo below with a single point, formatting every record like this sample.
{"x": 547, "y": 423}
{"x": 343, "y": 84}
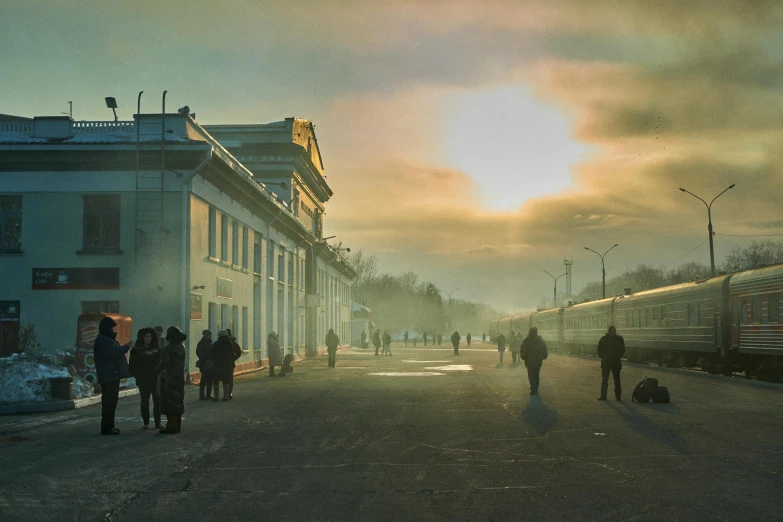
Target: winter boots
{"x": 173, "y": 424}
{"x": 226, "y": 392}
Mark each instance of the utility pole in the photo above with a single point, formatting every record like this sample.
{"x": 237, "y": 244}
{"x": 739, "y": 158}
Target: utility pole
{"x": 568, "y": 264}
{"x": 603, "y": 269}
{"x": 554, "y": 304}
{"x": 709, "y": 222}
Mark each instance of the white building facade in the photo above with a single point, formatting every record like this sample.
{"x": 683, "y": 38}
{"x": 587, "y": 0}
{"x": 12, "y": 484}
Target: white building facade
{"x": 156, "y": 219}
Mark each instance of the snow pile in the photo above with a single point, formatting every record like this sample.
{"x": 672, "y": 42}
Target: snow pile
{"x": 25, "y": 378}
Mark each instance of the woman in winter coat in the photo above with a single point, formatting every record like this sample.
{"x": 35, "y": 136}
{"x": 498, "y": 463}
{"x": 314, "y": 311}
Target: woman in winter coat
{"x": 144, "y": 359}
{"x": 171, "y": 379}
{"x": 274, "y": 354}
{"x": 223, "y": 369}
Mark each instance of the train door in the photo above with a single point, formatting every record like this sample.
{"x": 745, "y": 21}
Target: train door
{"x": 738, "y": 318}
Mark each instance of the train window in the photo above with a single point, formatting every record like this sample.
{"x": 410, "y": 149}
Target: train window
{"x": 638, "y": 319}
{"x": 646, "y": 323}
{"x": 690, "y": 315}
{"x": 702, "y": 314}
{"x": 654, "y": 314}
{"x": 773, "y": 308}
{"x": 663, "y": 313}
{"x": 755, "y": 310}
{"x": 743, "y": 311}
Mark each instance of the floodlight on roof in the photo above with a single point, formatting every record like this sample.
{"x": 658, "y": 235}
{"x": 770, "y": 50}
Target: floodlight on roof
{"x": 111, "y": 103}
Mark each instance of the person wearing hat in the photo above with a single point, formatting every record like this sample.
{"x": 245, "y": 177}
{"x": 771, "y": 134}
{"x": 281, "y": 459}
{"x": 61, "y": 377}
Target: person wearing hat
{"x": 111, "y": 365}
{"x": 171, "y": 379}
{"x": 533, "y": 352}
{"x": 224, "y": 364}
{"x": 206, "y": 365}
{"x": 273, "y": 352}
{"x": 144, "y": 360}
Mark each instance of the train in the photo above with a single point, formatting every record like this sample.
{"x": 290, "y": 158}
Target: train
{"x": 724, "y": 324}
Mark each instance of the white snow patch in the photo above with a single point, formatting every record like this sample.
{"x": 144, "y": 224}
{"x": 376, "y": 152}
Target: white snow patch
{"x": 26, "y": 379}
{"x": 452, "y": 368}
{"x": 406, "y": 374}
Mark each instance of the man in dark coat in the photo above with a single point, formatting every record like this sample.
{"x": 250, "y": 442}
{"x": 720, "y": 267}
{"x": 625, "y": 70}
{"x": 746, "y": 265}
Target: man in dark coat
{"x": 513, "y": 345}
{"x": 501, "y": 346}
{"x": 468, "y": 338}
{"x": 332, "y": 342}
{"x": 455, "y": 339}
{"x": 236, "y": 352}
{"x": 273, "y": 353}
{"x": 611, "y": 348}
{"x": 171, "y": 379}
{"x": 144, "y": 359}
{"x": 483, "y": 337}
{"x": 386, "y": 342}
{"x": 111, "y": 365}
{"x": 405, "y": 337}
{"x": 206, "y": 365}
{"x": 424, "y": 336}
{"x": 376, "y": 340}
{"x": 533, "y": 351}
{"x": 364, "y": 339}
{"x": 223, "y": 351}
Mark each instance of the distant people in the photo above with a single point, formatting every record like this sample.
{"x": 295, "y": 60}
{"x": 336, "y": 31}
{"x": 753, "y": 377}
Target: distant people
{"x": 171, "y": 379}
{"x": 415, "y": 340}
{"x": 483, "y": 337}
{"x": 387, "y": 342}
{"x": 273, "y": 353}
{"x": 501, "y": 347}
{"x": 236, "y": 352}
{"x": 206, "y": 365}
{"x": 364, "y": 340}
{"x": 376, "y": 340}
{"x": 159, "y": 333}
{"x": 332, "y": 342}
{"x": 468, "y": 338}
{"x": 440, "y": 339}
{"x": 406, "y": 338}
{"x": 425, "y": 338}
{"x": 514, "y": 343}
{"x": 144, "y": 359}
{"x": 224, "y": 364}
{"x": 533, "y": 351}
{"x": 111, "y": 365}
{"x": 611, "y": 348}
{"x": 455, "y": 339}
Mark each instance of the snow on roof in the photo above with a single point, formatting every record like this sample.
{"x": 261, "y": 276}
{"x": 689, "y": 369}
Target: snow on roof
{"x": 356, "y": 307}
{"x": 18, "y": 137}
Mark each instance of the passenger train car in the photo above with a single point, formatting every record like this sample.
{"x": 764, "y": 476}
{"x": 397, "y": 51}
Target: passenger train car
{"x": 730, "y": 322}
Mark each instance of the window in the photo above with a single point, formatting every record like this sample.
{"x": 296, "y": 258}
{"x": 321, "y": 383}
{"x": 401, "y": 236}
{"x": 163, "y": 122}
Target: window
{"x": 663, "y": 313}
{"x": 291, "y": 268}
{"x": 245, "y": 247}
{"x": 637, "y": 320}
{"x": 100, "y": 307}
{"x": 234, "y": 320}
{"x": 702, "y": 314}
{"x": 693, "y": 315}
{"x": 655, "y": 314}
{"x": 257, "y": 253}
{"x": 225, "y": 313}
{"x": 644, "y": 317}
{"x": 223, "y": 237}
{"x": 235, "y": 244}
{"x": 212, "y": 232}
{"x": 102, "y": 222}
{"x": 245, "y": 318}
{"x": 755, "y": 310}
{"x": 629, "y": 319}
{"x": 773, "y": 308}
{"x": 212, "y": 318}
{"x": 281, "y": 265}
{"x": 270, "y": 260}
{"x": 743, "y": 311}
{"x": 10, "y": 224}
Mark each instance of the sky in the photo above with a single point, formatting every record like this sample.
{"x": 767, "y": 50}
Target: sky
{"x": 475, "y": 143}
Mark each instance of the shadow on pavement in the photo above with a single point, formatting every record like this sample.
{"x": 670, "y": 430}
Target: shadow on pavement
{"x": 538, "y": 415}
{"x": 643, "y": 425}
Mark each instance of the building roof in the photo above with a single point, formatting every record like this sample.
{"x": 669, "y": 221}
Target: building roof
{"x": 7, "y": 118}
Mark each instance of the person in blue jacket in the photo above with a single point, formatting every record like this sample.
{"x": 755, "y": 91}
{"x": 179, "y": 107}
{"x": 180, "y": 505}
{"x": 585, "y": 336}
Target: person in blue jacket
{"x": 111, "y": 365}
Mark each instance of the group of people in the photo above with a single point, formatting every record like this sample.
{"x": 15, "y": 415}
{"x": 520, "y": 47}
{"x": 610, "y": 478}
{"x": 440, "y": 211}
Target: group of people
{"x": 216, "y": 361}
{"x": 533, "y": 350}
{"x": 514, "y": 342}
{"x": 382, "y": 342}
{"x": 159, "y": 371}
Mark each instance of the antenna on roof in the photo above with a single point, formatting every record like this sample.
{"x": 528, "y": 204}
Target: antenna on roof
{"x": 70, "y": 109}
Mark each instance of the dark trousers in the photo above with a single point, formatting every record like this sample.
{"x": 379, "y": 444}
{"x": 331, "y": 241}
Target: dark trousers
{"x": 110, "y": 396}
{"x": 514, "y": 356}
{"x": 230, "y": 382}
{"x": 332, "y": 357}
{"x": 376, "y": 348}
{"x": 618, "y": 390}
{"x": 205, "y": 384}
{"x": 456, "y": 349}
{"x": 534, "y": 376}
{"x": 147, "y": 389}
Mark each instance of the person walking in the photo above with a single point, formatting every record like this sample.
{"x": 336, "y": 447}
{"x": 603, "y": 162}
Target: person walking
{"x": 376, "y": 340}
{"x": 406, "y": 338}
{"x": 387, "y": 342}
{"x": 501, "y": 347}
{"x": 514, "y": 342}
{"x": 206, "y": 364}
{"x": 611, "y": 348}
{"x": 440, "y": 339}
{"x": 144, "y": 359}
{"x": 455, "y": 339}
{"x": 223, "y": 371}
{"x": 364, "y": 339}
{"x": 468, "y": 338}
{"x": 415, "y": 340}
{"x": 236, "y": 353}
{"x": 273, "y": 352}
{"x": 425, "y": 338}
{"x": 111, "y": 365}
{"x": 483, "y": 337}
{"x": 533, "y": 351}
{"x": 171, "y": 379}
{"x": 332, "y": 342}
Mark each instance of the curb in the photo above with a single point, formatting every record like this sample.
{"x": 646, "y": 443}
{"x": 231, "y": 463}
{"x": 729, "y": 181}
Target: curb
{"x": 47, "y": 407}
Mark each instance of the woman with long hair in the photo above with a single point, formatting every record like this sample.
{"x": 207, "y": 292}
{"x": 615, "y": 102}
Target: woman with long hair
{"x": 144, "y": 358}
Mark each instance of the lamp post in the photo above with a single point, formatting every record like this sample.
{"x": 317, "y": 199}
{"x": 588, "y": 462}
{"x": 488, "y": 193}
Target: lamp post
{"x": 603, "y": 269}
{"x": 555, "y": 280}
{"x": 709, "y": 221}
{"x": 451, "y": 309}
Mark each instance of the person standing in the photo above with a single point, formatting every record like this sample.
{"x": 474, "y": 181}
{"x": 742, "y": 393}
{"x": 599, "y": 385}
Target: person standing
{"x": 533, "y": 351}
{"x": 514, "y": 342}
{"x": 468, "y": 338}
{"x": 406, "y": 338}
{"x": 223, "y": 352}
{"x": 440, "y": 339}
{"x": 171, "y": 371}
{"x": 364, "y": 339}
{"x": 501, "y": 347}
{"x": 455, "y": 339}
{"x": 483, "y": 337}
{"x": 376, "y": 340}
{"x": 387, "y": 342}
{"x": 273, "y": 352}
{"x": 611, "y": 348}
{"x": 206, "y": 364}
{"x": 425, "y": 338}
{"x": 332, "y": 342}
{"x": 144, "y": 359}
{"x": 236, "y": 353}
{"x": 111, "y": 365}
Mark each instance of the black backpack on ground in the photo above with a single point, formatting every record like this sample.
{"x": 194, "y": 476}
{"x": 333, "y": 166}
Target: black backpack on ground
{"x": 661, "y": 394}
{"x": 645, "y": 390}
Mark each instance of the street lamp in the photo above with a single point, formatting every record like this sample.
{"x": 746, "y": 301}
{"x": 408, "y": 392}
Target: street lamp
{"x": 603, "y": 269}
{"x": 709, "y": 221}
{"x": 451, "y": 309}
{"x": 555, "y": 280}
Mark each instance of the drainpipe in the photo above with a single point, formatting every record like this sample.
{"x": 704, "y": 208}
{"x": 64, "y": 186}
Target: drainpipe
{"x": 185, "y": 250}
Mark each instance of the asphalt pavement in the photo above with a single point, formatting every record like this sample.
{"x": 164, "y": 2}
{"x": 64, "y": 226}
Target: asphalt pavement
{"x": 421, "y": 435}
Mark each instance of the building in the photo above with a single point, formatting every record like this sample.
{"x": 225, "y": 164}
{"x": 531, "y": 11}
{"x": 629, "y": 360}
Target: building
{"x": 361, "y": 323}
{"x": 161, "y": 219}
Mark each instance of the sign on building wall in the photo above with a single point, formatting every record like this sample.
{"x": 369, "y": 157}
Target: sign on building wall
{"x": 224, "y": 288}
{"x": 76, "y": 278}
{"x": 195, "y": 307}
{"x": 9, "y": 311}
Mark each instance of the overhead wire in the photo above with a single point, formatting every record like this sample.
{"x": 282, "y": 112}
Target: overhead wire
{"x": 686, "y": 255}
